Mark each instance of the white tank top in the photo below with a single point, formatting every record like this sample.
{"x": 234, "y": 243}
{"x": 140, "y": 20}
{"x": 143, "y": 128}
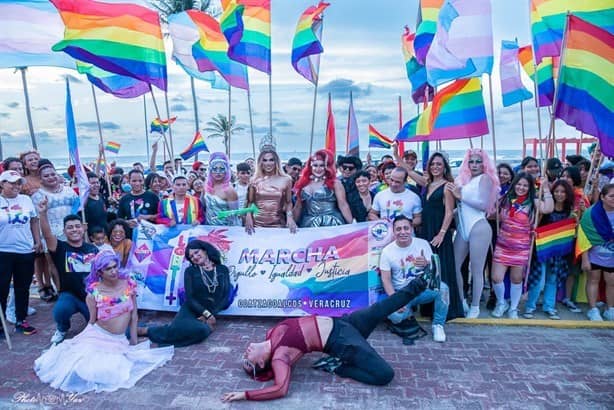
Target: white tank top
{"x": 470, "y": 215}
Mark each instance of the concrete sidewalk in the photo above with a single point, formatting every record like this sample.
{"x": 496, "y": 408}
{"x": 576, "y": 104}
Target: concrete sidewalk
{"x": 479, "y": 367}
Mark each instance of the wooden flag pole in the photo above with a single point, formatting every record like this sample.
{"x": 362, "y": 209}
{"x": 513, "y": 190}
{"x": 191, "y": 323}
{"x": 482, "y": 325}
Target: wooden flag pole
{"x": 251, "y": 121}
{"x": 492, "y": 121}
{"x": 102, "y": 153}
{"x": 146, "y": 130}
{"x": 153, "y": 98}
{"x": 195, "y": 102}
{"x": 28, "y": 110}
{"x": 170, "y": 128}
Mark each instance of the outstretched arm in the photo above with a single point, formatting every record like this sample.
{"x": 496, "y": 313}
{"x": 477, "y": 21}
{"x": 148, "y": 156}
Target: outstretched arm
{"x": 279, "y": 389}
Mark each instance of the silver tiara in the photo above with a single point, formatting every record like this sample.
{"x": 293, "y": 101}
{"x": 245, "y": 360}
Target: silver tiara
{"x": 267, "y": 143}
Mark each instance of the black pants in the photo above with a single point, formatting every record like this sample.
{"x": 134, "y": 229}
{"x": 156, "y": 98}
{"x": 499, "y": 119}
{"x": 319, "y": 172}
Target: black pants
{"x": 184, "y": 330}
{"x": 19, "y": 267}
{"x": 348, "y": 339}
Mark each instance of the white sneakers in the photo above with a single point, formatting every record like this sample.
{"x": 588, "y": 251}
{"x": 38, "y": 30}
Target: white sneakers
{"x": 609, "y": 314}
{"x": 58, "y": 337}
{"x": 500, "y": 309}
{"x": 465, "y": 307}
{"x": 473, "y": 312}
{"x": 438, "y": 334}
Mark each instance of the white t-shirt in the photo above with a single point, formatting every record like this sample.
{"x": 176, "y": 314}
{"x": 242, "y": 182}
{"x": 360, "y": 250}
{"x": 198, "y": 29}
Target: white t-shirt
{"x": 390, "y": 204}
{"x": 15, "y": 232}
{"x": 59, "y": 205}
{"x": 242, "y": 194}
{"x": 400, "y": 261}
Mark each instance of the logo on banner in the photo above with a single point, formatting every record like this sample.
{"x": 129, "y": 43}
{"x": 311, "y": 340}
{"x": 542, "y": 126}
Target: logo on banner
{"x": 142, "y": 252}
{"x": 379, "y": 230}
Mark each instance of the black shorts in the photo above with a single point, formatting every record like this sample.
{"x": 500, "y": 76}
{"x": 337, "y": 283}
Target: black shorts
{"x": 594, "y": 266}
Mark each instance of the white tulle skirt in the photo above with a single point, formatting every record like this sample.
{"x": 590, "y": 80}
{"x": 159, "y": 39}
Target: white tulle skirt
{"x": 96, "y": 360}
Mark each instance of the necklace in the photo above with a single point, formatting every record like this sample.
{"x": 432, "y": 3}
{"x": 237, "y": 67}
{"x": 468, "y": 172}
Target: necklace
{"x": 317, "y": 179}
{"x": 210, "y": 283}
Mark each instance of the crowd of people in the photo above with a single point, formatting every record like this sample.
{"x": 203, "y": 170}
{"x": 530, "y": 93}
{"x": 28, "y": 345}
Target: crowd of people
{"x": 480, "y": 226}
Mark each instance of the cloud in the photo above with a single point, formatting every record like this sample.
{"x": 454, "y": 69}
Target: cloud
{"x": 13, "y": 104}
{"x": 177, "y": 98}
{"x": 283, "y": 124}
{"x": 373, "y": 117}
{"x": 72, "y": 78}
{"x": 40, "y": 109}
{"x": 179, "y": 107}
{"x": 93, "y": 125}
{"x": 5, "y": 115}
{"x": 340, "y": 88}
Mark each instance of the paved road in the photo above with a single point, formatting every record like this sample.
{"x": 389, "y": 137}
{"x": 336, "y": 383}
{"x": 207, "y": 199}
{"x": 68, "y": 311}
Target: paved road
{"x": 480, "y": 367}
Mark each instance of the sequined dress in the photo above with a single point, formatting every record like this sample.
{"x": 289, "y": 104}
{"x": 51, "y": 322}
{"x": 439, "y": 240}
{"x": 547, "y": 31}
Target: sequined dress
{"x": 320, "y": 208}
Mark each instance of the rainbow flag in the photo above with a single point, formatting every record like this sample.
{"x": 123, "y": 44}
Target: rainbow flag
{"x": 119, "y": 85}
{"x": 416, "y": 72}
{"x": 29, "y": 29}
{"x": 197, "y": 145}
{"x": 545, "y": 81}
{"x": 377, "y": 139}
{"x": 112, "y": 147}
{"x": 247, "y": 24}
{"x": 426, "y": 26}
{"x": 457, "y": 111}
{"x": 306, "y": 46}
{"x": 555, "y": 239}
{"x": 73, "y": 154}
{"x": 548, "y": 21}
{"x": 594, "y": 229}
{"x": 586, "y": 82}
{"x": 512, "y": 89}
{"x": 124, "y": 39}
{"x": 161, "y": 126}
{"x": 210, "y": 52}
{"x": 352, "y": 138}
{"x": 330, "y": 140}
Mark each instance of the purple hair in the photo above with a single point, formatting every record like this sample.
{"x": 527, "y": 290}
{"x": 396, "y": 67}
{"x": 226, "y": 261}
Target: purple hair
{"x": 464, "y": 175}
{"x": 101, "y": 261}
{"x": 217, "y": 157}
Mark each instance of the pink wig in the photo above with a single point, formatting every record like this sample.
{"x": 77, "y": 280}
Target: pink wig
{"x": 221, "y": 159}
{"x": 464, "y": 175}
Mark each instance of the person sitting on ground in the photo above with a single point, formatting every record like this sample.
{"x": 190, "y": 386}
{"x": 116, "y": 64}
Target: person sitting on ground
{"x": 72, "y": 258}
{"x": 100, "y": 358}
{"x": 344, "y": 339}
{"x": 207, "y": 291}
{"x": 400, "y": 262}
{"x": 397, "y": 200}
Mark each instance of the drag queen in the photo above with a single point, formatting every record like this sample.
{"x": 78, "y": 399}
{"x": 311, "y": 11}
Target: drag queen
{"x": 219, "y": 194}
{"x": 101, "y": 358}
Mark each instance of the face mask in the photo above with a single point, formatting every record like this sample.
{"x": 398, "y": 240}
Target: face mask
{"x": 126, "y": 188}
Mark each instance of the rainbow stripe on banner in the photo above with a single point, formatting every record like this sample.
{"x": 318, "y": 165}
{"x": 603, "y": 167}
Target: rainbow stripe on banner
{"x": 548, "y": 21}
{"x": 586, "y": 82}
{"x": 247, "y": 26}
{"x": 306, "y": 42}
{"x": 377, "y": 139}
{"x": 555, "y": 239}
{"x": 113, "y": 147}
{"x": 124, "y": 39}
{"x": 161, "y": 126}
{"x": 457, "y": 111}
{"x": 211, "y": 51}
{"x": 545, "y": 81}
{"x": 197, "y": 145}
{"x": 428, "y": 13}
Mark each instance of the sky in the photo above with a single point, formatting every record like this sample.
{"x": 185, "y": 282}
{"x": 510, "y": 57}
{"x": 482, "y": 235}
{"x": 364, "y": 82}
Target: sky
{"x": 362, "y": 54}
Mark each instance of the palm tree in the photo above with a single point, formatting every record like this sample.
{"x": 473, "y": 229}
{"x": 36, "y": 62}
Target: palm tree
{"x": 220, "y": 127}
{"x": 168, "y": 7}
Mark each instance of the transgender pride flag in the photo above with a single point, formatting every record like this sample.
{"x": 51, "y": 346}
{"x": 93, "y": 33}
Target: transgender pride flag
{"x": 512, "y": 89}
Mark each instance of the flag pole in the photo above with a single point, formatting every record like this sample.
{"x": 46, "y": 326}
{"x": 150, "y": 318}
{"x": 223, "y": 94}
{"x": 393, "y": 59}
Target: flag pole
{"x": 28, "y": 110}
{"x": 251, "y": 121}
{"x": 347, "y": 135}
{"x": 194, "y": 100}
{"x": 170, "y": 129}
{"x": 313, "y": 114}
{"x": 401, "y": 144}
{"x": 229, "y": 121}
{"x": 146, "y": 131}
{"x": 524, "y": 147}
{"x": 106, "y": 174}
{"x": 556, "y": 88}
{"x": 166, "y": 148}
{"x": 492, "y": 120}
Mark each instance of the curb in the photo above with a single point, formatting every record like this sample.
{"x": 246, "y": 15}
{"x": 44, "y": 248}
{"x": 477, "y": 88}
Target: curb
{"x": 558, "y": 324}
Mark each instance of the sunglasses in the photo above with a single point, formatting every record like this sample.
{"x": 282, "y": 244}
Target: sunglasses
{"x": 202, "y": 169}
{"x": 218, "y": 170}
{"x": 247, "y": 363}
{"x": 295, "y": 168}
{"x": 348, "y": 167}
{"x": 475, "y": 161}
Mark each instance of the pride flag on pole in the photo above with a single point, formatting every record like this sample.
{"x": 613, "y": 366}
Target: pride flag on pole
{"x": 426, "y": 26}
{"x": 545, "y": 81}
{"x": 555, "y": 239}
{"x": 112, "y": 147}
{"x": 377, "y": 139}
{"x": 197, "y": 145}
{"x": 161, "y": 126}
{"x": 512, "y": 89}
{"x": 124, "y": 39}
{"x": 584, "y": 98}
{"x": 306, "y": 46}
{"x": 120, "y": 86}
{"x": 73, "y": 151}
{"x": 416, "y": 72}
{"x": 330, "y": 141}
{"x": 594, "y": 229}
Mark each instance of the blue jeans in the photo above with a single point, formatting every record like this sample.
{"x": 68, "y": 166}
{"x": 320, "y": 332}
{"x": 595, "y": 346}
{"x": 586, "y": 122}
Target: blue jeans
{"x": 66, "y": 306}
{"x": 441, "y": 298}
{"x": 548, "y": 282}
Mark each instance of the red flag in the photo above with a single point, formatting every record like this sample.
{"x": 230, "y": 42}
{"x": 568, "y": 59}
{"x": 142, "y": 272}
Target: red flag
{"x": 330, "y": 142}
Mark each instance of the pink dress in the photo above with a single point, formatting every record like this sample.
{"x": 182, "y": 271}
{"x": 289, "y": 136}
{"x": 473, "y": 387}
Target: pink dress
{"x": 514, "y": 239}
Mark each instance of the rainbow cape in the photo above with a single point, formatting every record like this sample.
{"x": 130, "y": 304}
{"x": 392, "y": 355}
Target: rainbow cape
{"x": 545, "y": 80}
{"x": 192, "y": 211}
{"x": 113, "y": 147}
{"x": 548, "y": 21}
{"x": 247, "y": 26}
{"x": 555, "y": 239}
{"x": 124, "y": 39}
{"x": 161, "y": 126}
{"x": 377, "y": 139}
{"x": 594, "y": 229}
{"x": 120, "y": 86}
{"x": 306, "y": 42}
{"x": 416, "y": 72}
{"x": 426, "y": 26}
{"x": 457, "y": 111}
{"x": 197, "y": 145}
{"x": 211, "y": 51}
{"x": 586, "y": 82}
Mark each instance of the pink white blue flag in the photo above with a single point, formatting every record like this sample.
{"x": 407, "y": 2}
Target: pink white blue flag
{"x": 512, "y": 89}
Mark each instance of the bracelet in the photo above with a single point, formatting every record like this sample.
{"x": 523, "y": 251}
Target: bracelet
{"x": 443, "y": 231}
{"x": 207, "y": 314}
